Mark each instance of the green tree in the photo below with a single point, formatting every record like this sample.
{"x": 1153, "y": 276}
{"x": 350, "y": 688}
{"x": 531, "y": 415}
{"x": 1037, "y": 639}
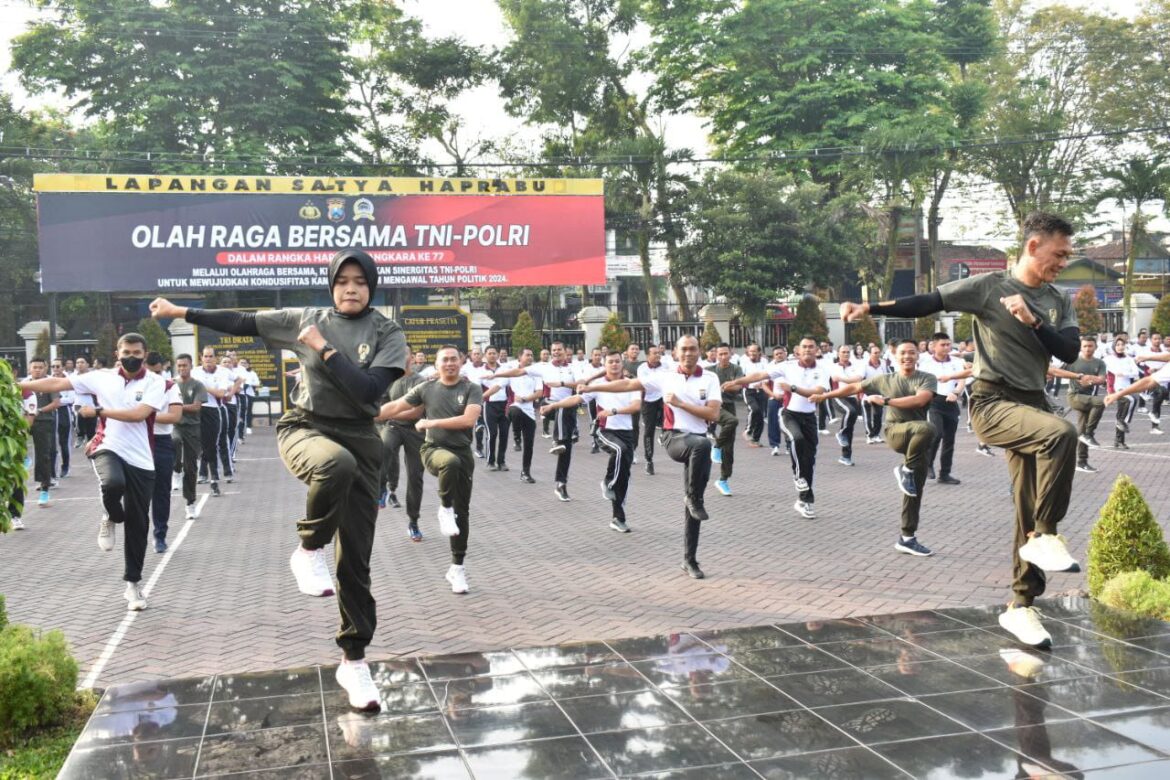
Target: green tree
{"x": 964, "y": 327}
{"x": 1088, "y": 315}
{"x": 1126, "y": 537}
{"x": 42, "y": 346}
{"x": 924, "y": 328}
{"x": 1136, "y": 182}
{"x": 809, "y": 321}
{"x": 13, "y": 444}
{"x": 865, "y": 332}
{"x": 710, "y": 337}
{"x": 107, "y": 343}
{"x": 1160, "y": 322}
{"x": 157, "y": 339}
{"x": 524, "y": 335}
{"x": 613, "y": 335}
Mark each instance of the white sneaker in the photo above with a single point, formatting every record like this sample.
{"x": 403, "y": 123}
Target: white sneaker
{"x": 247, "y": 431}
{"x": 800, "y": 483}
{"x": 311, "y": 571}
{"x": 192, "y": 513}
{"x": 775, "y": 452}
{"x": 457, "y": 576}
{"x": 805, "y": 510}
{"x": 176, "y": 482}
{"x": 354, "y": 678}
{"x": 17, "y": 524}
{"x": 447, "y": 522}
{"x": 135, "y": 601}
{"x": 1049, "y": 552}
{"x": 106, "y": 534}
{"x": 1024, "y": 624}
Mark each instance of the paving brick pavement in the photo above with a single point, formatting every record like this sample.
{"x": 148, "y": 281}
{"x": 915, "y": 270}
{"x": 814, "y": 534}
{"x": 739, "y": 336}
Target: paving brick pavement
{"x": 541, "y": 571}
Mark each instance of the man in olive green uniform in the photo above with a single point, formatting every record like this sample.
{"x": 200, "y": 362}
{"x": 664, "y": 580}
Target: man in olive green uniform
{"x": 1021, "y": 321}
{"x": 188, "y": 433}
{"x": 906, "y": 395}
{"x": 451, "y": 406}
{"x": 724, "y": 451}
{"x": 403, "y": 435}
{"x": 1086, "y": 394}
{"x": 349, "y": 354}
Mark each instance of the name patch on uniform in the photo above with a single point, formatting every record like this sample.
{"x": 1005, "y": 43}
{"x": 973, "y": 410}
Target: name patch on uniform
{"x": 363, "y": 352}
{"x": 459, "y": 399}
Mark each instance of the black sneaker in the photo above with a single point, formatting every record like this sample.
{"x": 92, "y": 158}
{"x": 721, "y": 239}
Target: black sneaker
{"x": 947, "y": 479}
{"x": 393, "y": 501}
{"x": 650, "y": 468}
{"x": 215, "y": 489}
{"x": 562, "y": 492}
{"x": 516, "y": 447}
{"x": 930, "y": 472}
{"x": 502, "y": 467}
{"x": 526, "y": 477}
{"x": 905, "y": 478}
{"x": 619, "y": 526}
{"x": 695, "y": 507}
{"x": 985, "y": 451}
{"x": 1123, "y": 427}
{"x": 595, "y": 449}
{"x": 1085, "y": 467}
{"x": 912, "y": 546}
{"x": 160, "y": 545}
{"x": 201, "y": 481}
{"x": 1088, "y": 440}
{"x": 692, "y": 568}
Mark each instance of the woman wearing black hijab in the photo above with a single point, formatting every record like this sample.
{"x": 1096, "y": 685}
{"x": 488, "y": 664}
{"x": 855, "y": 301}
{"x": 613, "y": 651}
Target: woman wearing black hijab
{"x": 349, "y": 355}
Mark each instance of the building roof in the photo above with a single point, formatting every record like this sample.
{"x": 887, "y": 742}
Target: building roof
{"x": 1148, "y": 246}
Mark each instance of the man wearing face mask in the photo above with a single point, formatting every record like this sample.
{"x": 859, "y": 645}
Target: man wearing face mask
{"x": 120, "y": 450}
{"x": 350, "y": 354}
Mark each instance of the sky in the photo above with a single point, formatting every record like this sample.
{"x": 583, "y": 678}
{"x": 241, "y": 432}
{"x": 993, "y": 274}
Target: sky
{"x": 975, "y": 218}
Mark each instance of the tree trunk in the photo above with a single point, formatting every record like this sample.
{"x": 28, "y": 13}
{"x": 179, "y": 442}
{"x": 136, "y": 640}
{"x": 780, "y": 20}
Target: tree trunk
{"x": 1130, "y": 256}
{"x": 887, "y": 285}
{"x": 932, "y": 225}
{"x": 646, "y": 213}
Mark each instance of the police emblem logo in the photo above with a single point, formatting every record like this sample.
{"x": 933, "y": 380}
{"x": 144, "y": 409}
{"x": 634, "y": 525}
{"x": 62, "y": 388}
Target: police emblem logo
{"x": 1052, "y": 316}
{"x": 363, "y": 208}
{"x": 335, "y": 209}
{"x": 363, "y": 352}
{"x": 309, "y": 211}
{"x": 703, "y": 394}
{"x": 138, "y": 396}
{"x": 459, "y": 399}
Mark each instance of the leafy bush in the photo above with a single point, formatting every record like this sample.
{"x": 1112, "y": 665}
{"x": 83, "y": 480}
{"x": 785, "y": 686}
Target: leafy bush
{"x": 37, "y": 679}
{"x": 524, "y": 335}
{"x": 1125, "y": 538}
{"x": 809, "y": 321}
{"x": 1139, "y": 593}
{"x": 1160, "y": 322}
{"x": 964, "y": 327}
{"x": 107, "y": 343}
{"x": 13, "y": 443}
{"x": 710, "y": 336}
{"x": 613, "y": 335}
{"x": 3, "y": 613}
{"x": 865, "y": 332}
{"x": 157, "y": 339}
{"x": 1088, "y": 315}
{"x": 924, "y": 328}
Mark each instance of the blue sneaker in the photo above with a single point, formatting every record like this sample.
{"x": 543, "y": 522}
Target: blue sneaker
{"x": 716, "y": 455}
{"x": 43, "y": 500}
{"x": 382, "y": 499}
{"x": 723, "y": 487}
{"x": 413, "y": 532}
{"x": 912, "y": 546}
{"x": 27, "y": 463}
{"x": 905, "y": 478}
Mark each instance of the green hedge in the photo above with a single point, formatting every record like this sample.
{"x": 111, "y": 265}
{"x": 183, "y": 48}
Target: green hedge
{"x": 37, "y": 680}
{"x": 1125, "y": 538}
{"x": 1139, "y": 593}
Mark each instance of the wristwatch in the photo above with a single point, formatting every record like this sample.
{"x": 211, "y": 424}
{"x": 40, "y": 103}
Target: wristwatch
{"x": 327, "y": 348}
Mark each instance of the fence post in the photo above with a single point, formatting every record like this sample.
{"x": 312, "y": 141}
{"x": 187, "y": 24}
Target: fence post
{"x": 592, "y": 319}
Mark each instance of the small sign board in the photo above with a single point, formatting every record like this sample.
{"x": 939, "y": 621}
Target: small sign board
{"x": 428, "y": 328}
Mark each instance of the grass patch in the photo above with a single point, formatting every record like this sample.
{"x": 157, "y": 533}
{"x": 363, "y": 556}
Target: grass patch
{"x": 42, "y": 752}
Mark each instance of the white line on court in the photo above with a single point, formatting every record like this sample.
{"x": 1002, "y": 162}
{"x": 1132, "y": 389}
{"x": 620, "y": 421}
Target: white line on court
{"x": 120, "y": 632}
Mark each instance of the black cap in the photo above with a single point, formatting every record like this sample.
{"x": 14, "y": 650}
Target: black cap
{"x": 369, "y": 268}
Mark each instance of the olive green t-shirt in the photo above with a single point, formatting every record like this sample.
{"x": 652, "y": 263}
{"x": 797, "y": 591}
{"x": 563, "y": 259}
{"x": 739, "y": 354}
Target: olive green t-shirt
{"x": 897, "y": 386}
{"x": 732, "y": 371}
{"x": 371, "y": 341}
{"x": 1090, "y": 367}
{"x": 1006, "y": 350}
{"x": 398, "y": 389}
{"x": 443, "y": 401}
{"x": 190, "y": 392}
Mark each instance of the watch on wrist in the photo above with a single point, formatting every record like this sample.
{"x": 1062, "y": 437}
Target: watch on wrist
{"x": 97, "y": 412}
{"x": 327, "y": 348}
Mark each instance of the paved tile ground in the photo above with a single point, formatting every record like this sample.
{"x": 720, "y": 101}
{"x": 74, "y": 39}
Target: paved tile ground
{"x": 541, "y": 571}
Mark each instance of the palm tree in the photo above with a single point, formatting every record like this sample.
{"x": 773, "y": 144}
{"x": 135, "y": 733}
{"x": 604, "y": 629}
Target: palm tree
{"x": 1138, "y": 181}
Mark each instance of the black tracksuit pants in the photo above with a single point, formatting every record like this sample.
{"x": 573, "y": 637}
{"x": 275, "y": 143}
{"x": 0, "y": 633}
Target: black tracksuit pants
{"x": 64, "y": 438}
{"x": 621, "y": 446}
{"x": 496, "y": 416}
{"x": 850, "y": 409}
{"x": 757, "y": 408}
{"x": 164, "y": 463}
{"x": 209, "y": 419}
{"x": 651, "y": 420}
{"x": 564, "y": 431}
{"x": 873, "y": 419}
{"x": 126, "y": 495}
{"x": 44, "y": 432}
{"x": 944, "y": 416}
{"x": 525, "y": 428}
{"x": 801, "y": 428}
{"x": 693, "y": 450}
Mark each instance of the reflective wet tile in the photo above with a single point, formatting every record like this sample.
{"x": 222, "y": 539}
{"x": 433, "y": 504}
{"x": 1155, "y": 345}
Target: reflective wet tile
{"x": 497, "y": 725}
{"x": 1063, "y": 635}
{"x": 1119, "y": 625}
{"x": 301, "y": 772}
{"x": 839, "y": 686}
{"x": 1018, "y": 667}
{"x": 153, "y": 695}
{"x": 384, "y": 673}
{"x": 1153, "y": 770}
{"x": 571, "y": 654}
{"x": 159, "y": 723}
{"x": 692, "y": 669}
{"x": 570, "y": 757}
{"x": 268, "y": 749}
{"x": 290, "y": 682}
{"x": 789, "y": 660}
{"x": 996, "y": 709}
{"x": 777, "y": 734}
{"x": 890, "y": 721}
{"x": 406, "y": 699}
{"x": 643, "y": 648}
{"x": 847, "y": 764}
{"x": 969, "y": 756}
{"x": 908, "y": 623}
{"x": 744, "y": 640}
{"x": 1073, "y": 745}
{"x": 817, "y": 631}
{"x": 1150, "y": 727}
{"x": 1091, "y": 696}
{"x": 729, "y": 699}
{"x": 590, "y": 680}
{"x": 487, "y": 691}
{"x": 737, "y": 771}
{"x": 1109, "y": 656}
{"x": 462, "y": 665}
{"x": 356, "y": 735}
{"x": 445, "y": 765}
{"x": 974, "y": 616}
{"x": 148, "y": 760}
{"x": 622, "y": 711}
{"x": 252, "y": 714}
{"x": 964, "y": 642}
{"x": 926, "y": 677}
{"x": 671, "y": 747}
{"x": 1157, "y": 644}
{"x": 1153, "y": 680}
{"x": 876, "y": 652}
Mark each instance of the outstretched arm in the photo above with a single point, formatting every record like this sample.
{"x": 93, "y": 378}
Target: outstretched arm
{"x": 47, "y": 384}
{"x": 852, "y": 388}
{"x": 910, "y": 306}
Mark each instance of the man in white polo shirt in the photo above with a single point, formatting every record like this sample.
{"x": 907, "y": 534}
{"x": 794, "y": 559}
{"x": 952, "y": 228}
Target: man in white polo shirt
{"x": 651, "y": 403}
{"x": 753, "y": 361}
{"x": 121, "y": 449}
{"x": 692, "y": 398}
{"x": 213, "y": 419}
{"x": 950, "y": 371}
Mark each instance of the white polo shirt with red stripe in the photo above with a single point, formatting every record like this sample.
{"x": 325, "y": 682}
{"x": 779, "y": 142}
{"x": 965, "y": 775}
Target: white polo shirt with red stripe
{"x": 129, "y": 441}
{"x": 698, "y": 388}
